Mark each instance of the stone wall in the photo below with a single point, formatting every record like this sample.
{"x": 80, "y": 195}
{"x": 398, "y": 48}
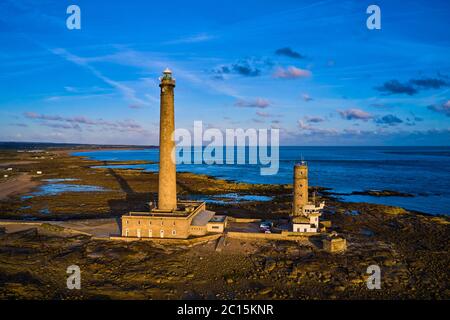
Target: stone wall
{"x": 334, "y": 244}
{"x": 215, "y": 227}
{"x": 155, "y": 227}
{"x": 191, "y": 241}
{"x": 197, "y": 230}
{"x": 267, "y": 236}
{"x": 243, "y": 220}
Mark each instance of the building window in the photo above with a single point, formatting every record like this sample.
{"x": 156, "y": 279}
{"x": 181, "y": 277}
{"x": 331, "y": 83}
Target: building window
{"x": 150, "y": 222}
{"x": 162, "y": 223}
{"x": 126, "y": 221}
{"x": 174, "y": 223}
{"x": 138, "y": 233}
{"x": 126, "y": 232}
{"x": 139, "y": 221}
{"x": 150, "y": 233}
{"x": 174, "y": 232}
{"x": 215, "y": 227}
{"x": 161, "y": 233}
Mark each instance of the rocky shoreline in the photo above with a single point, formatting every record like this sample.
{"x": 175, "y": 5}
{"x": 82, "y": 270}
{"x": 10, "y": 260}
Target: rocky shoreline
{"x": 373, "y": 193}
{"x": 411, "y": 249}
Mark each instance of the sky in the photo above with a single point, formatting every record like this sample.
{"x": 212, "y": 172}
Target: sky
{"x": 311, "y": 69}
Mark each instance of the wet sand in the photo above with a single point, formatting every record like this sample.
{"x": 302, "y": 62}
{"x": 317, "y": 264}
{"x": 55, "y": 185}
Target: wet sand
{"x": 16, "y": 185}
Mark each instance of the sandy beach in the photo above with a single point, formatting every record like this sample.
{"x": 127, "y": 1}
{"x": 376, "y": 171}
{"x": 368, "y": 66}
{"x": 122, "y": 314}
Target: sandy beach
{"x": 17, "y": 185}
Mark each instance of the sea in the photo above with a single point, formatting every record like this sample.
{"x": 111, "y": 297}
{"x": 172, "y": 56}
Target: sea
{"x": 423, "y": 172}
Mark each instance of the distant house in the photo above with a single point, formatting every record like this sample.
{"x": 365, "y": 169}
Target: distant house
{"x": 304, "y": 224}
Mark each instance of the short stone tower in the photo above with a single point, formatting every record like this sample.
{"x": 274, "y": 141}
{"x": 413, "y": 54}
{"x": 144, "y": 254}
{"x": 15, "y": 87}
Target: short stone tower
{"x": 300, "y": 188}
{"x": 167, "y": 190}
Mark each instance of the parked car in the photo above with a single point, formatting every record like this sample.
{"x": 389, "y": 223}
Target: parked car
{"x": 266, "y": 224}
{"x": 265, "y": 227}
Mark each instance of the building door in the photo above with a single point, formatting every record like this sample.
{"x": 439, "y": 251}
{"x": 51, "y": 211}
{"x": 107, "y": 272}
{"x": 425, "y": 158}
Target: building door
{"x": 150, "y": 233}
{"x": 126, "y": 232}
{"x": 161, "y": 233}
{"x": 138, "y": 233}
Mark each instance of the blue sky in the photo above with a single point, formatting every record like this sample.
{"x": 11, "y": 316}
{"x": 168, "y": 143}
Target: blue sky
{"x": 310, "y": 68}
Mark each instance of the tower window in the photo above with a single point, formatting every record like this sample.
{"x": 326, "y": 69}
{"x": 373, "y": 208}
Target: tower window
{"x": 174, "y": 232}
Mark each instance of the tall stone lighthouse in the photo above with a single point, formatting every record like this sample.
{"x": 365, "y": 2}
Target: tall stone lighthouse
{"x": 167, "y": 190}
{"x": 171, "y": 218}
{"x": 300, "y": 188}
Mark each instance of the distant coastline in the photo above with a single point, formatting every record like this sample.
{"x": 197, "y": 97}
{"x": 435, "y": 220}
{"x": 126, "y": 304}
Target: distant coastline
{"x": 13, "y": 145}
{"x": 5, "y": 144}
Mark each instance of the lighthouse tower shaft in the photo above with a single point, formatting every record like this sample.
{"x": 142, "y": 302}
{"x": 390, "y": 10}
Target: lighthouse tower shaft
{"x": 300, "y": 188}
{"x": 167, "y": 190}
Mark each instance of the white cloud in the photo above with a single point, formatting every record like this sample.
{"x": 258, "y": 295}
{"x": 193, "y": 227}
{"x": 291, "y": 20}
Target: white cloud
{"x": 200, "y": 37}
{"x": 291, "y": 73}
{"x": 128, "y": 92}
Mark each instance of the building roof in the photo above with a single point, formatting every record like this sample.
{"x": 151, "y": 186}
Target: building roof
{"x": 202, "y": 218}
{"x": 219, "y": 218}
{"x": 313, "y": 206}
{"x": 300, "y": 220}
